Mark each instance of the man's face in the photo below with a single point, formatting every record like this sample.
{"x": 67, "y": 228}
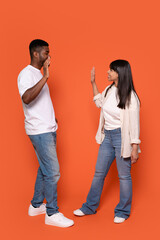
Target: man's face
{"x": 43, "y": 54}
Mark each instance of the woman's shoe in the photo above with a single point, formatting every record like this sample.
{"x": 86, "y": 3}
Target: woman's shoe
{"x": 78, "y": 212}
{"x": 119, "y": 220}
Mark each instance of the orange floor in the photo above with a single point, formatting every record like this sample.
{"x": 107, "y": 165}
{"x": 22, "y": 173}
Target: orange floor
{"x": 142, "y": 224}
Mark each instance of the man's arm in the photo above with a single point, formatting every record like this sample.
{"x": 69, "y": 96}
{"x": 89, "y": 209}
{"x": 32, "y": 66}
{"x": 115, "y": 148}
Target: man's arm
{"x": 33, "y": 92}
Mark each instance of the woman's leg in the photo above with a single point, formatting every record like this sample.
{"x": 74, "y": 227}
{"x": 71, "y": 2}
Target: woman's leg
{"x": 124, "y": 206}
{"x": 124, "y": 172}
{"x": 106, "y": 156}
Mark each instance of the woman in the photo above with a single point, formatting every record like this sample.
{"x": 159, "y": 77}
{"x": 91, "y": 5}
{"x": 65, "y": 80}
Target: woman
{"x": 118, "y": 136}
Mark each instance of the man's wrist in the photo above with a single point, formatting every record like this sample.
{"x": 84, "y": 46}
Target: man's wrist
{"x": 45, "y": 78}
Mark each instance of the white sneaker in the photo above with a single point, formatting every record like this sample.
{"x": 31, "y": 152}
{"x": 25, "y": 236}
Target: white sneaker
{"x": 78, "y": 212}
{"x": 32, "y": 211}
{"x": 119, "y": 220}
{"x": 58, "y": 220}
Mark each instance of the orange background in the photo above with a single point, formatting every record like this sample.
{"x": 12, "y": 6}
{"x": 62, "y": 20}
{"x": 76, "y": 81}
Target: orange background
{"x": 81, "y": 34}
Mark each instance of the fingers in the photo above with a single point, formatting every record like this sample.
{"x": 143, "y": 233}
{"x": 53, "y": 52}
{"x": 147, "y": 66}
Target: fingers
{"x": 93, "y": 71}
{"x": 134, "y": 157}
{"x": 133, "y": 160}
{"x": 48, "y": 61}
{"x": 93, "y": 75}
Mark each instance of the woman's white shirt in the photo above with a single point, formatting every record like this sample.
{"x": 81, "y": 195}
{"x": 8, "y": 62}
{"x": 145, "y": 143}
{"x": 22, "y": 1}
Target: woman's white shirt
{"x": 111, "y": 111}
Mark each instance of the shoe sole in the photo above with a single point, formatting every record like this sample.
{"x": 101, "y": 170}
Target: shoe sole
{"x": 47, "y": 222}
{"x": 79, "y": 215}
{"x": 36, "y": 214}
{"x": 119, "y": 222}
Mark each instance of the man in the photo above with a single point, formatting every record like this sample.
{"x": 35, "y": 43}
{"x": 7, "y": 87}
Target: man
{"x": 41, "y": 126}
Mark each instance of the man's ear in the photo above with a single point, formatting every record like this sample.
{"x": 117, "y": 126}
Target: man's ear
{"x": 35, "y": 54}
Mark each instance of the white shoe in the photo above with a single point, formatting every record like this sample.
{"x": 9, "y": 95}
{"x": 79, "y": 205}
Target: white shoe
{"x": 58, "y": 220}
{"x": 32, "y": 211}
{"x": 119, "y": 220}
{"x": 78, "y": 212}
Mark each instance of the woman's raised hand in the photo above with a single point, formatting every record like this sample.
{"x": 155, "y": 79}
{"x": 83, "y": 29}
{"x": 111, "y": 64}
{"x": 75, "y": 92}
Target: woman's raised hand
{"x": 94, "y": 85}
{"x": 93, "y": 75}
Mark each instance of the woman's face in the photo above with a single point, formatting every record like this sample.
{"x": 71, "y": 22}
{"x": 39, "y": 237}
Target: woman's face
{"x": 112, "y": 75}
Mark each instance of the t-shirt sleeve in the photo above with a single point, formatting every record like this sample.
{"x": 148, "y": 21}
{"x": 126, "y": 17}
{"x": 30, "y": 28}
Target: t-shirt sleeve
{"x": 25, "y": 81}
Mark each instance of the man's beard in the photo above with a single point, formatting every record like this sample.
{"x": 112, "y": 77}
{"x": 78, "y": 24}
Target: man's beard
{"x": 42, "y": 62}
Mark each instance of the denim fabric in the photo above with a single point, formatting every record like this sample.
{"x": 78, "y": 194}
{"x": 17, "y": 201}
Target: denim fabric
{"x": 109, "y": 149}
{"x": 48, "y": 172}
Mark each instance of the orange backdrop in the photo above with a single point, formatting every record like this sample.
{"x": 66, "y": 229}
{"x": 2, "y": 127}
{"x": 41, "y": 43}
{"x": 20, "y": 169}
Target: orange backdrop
{"x": 81, "y": 34}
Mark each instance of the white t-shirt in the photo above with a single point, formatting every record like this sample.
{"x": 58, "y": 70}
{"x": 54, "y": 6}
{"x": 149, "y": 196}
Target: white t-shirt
{"x": 111, "y": 111}
{"x": 39, "y": 114}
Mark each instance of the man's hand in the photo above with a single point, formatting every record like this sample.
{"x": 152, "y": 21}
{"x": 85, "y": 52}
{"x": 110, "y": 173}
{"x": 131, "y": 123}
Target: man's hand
{"x": 33, "y": 92}
{"x": 46, "y": 68}
{"x": 93, "y": 75}
{"x": 134, "y": 153}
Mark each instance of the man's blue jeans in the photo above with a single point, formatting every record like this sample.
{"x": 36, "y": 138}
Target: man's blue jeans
{"x": 109, "y": 149}
{"x": 48, "y": 172}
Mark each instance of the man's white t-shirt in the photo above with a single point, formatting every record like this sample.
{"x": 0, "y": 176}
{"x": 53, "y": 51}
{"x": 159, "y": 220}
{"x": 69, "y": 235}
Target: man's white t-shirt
{"x": 111, "y": 111}
{"x": 39, "y": 114}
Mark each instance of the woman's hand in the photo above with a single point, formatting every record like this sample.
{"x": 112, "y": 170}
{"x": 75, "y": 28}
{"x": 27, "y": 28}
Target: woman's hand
{"x": 93, "y": 75}
{"x": 94, "y": 86}
{"x": 134, "y": 153}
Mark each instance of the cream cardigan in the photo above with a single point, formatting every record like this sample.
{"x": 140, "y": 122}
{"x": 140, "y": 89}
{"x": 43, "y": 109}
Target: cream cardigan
{"x": 129, "y": 118}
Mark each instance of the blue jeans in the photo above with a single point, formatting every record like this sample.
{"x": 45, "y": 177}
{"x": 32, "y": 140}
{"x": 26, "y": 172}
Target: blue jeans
{"x": 109, "y": 149}
{"x": 48, "y": 172}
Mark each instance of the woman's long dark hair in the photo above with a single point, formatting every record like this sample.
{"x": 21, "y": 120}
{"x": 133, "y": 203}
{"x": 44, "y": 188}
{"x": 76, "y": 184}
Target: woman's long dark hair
{"x": 125, "y": 82}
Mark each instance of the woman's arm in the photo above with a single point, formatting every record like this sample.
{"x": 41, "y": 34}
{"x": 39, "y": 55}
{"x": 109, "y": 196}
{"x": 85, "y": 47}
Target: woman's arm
{"x": 134, "y": 127}
{"x": 98, "y": 98}
{"x": 94, "y": 85}
{"x": 134, "y": 153}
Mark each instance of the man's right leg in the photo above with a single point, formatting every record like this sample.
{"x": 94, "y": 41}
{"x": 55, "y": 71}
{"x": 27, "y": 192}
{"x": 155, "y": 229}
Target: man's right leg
{"x": 38, "y": 190}
{"x": 37, "y": 206}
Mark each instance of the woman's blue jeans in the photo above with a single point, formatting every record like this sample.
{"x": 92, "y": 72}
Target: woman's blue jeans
{"x": 109, "y": 149}
{"x": 48, "y": 172}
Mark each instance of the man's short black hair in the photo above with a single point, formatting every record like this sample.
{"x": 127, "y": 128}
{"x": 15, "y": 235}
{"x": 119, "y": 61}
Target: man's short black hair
{"x": 35, "y": 44}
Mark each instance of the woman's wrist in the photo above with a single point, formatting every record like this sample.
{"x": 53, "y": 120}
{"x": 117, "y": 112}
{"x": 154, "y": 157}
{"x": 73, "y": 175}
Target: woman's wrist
{"x": 134, "y": 146}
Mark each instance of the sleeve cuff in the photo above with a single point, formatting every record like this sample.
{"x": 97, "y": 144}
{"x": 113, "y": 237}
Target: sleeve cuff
{"x": 97, "y": 97}
{"x": 136, "y": 141}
